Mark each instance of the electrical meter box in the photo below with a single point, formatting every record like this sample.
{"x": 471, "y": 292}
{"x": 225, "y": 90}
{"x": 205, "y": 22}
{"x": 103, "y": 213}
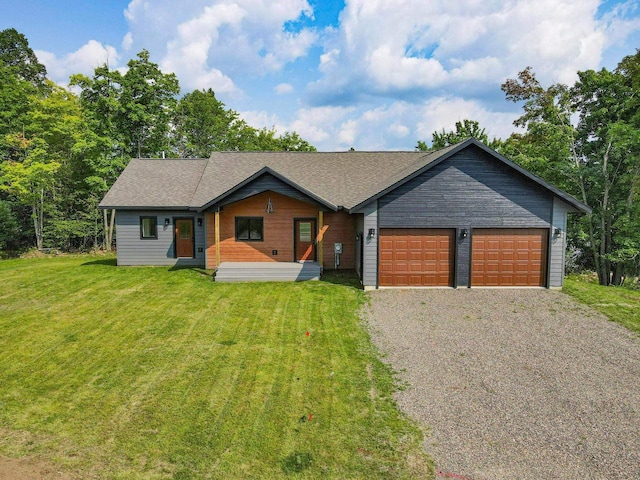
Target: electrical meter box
{"x": 337, "y": 248}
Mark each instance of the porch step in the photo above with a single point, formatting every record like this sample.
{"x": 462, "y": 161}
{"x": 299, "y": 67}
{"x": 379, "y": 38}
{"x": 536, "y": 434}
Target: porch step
{"x": 267, "y": 272}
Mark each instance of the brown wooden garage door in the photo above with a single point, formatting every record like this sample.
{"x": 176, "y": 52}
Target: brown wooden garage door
{"x": 416, "y": 257}
{"x": 509, "y": 257}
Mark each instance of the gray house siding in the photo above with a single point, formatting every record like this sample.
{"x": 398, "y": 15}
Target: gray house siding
{"x": 370, "y": 254}
{"x": 558, "y": 243}
{"x": 132, "y": 250}
{"x": 469, "y": 190}
{"x": 462, "y": 269}
{"x": 265, "y": 183}
{"x": 359, "y": 225}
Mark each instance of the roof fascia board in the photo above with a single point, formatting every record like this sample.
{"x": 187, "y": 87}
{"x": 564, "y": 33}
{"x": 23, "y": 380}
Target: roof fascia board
{"x": 257, "y": 175}
{"x": 142, "y": 207}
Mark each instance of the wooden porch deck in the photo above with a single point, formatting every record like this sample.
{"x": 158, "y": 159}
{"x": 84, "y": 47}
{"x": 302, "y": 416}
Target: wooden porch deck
{"x": 267, "y": 271}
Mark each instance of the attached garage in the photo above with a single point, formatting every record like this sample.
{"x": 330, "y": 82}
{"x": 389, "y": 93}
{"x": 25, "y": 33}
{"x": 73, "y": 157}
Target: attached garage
{"x": 502, "y": 257}
{"x": 416, "y": 257}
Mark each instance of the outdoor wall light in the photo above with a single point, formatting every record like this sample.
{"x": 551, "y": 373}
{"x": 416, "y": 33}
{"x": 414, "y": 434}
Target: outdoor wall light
{"x": 464, "y": 233}
{"x": 269, "y": 206}
{"x": 166, "y": 222}
{"x": 557, "y": 233}
{"x": 372, "y": 232}
{"x": 199, "y": 222}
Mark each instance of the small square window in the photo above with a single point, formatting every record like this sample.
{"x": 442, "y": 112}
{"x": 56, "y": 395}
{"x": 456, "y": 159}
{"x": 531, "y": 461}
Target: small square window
{"x": 250, "y": 229}
{"x": 148, "y": 228}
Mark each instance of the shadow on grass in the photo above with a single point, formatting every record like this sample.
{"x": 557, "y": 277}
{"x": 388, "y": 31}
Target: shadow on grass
{"x": 111, "y": 262}
{"x": 200, "y": 270}
{"x": 348, "y": 278}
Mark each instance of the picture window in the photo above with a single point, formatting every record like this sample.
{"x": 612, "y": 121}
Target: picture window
{"x": 250, "y": 229}
{"x": 148, "y": 228}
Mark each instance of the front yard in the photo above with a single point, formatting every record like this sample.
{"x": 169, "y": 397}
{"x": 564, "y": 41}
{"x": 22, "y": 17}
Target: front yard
{"x": 152, "y": 373}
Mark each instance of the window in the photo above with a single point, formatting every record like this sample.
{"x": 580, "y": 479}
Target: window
{"x": 249, "y": 229}
{"x": 148, "y": 228}
{"x": 305, "y": 231}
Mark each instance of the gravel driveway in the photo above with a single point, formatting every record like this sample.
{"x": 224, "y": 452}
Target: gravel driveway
{"x": 514, "y": 383}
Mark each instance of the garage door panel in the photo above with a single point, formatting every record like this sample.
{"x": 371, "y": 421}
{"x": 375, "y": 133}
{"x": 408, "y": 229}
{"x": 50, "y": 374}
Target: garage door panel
{"x": 401, "y": 256}
{"x": 509, "y": 257}
{"x": 419, "y": 257}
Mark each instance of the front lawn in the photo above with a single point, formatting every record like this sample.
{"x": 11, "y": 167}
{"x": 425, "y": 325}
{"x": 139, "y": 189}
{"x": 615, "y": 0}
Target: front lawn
{"x": 161, "y": 373}
{"x": 620, "y": 304}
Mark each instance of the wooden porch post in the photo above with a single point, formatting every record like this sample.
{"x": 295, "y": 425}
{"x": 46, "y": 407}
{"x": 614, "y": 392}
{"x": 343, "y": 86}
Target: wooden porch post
{"x": 217, "y": 235}
{"x": 320, "y": 237}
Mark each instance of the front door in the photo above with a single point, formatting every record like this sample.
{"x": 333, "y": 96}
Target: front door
{"x": 184, "y": 237}
{"x": 305, "y": 240}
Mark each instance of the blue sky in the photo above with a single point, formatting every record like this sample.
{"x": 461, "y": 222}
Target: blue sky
{"x": 368, "y": 74}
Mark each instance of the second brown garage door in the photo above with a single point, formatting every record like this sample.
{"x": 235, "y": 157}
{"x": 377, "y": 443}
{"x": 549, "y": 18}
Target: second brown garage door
{"x": 416, "y": 257}
{"x": 509, "y": 257}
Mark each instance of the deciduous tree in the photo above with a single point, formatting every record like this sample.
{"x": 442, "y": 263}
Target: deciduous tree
{"x": 464, "y": 129}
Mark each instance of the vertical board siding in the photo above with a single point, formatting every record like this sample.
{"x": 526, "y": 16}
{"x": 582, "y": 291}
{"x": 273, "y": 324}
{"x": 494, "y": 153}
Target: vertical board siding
{"x": 558, "y": 243}
{"x": 370, "y": 257}
{"x": 132, "y": 250}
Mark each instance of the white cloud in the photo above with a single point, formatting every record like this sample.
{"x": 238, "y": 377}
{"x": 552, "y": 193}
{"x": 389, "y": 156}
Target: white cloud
{"x": 84, "y": 60}
{"x": 127, "y": 41}
{"x": 621, "y": 22}
{"x": 262, "y": 119}
{"x": 389, "y": 73}
{"x": 443, "y": 112}
{"x": 211, "y": 43}
{"x": 393, "y": 48}
{"x": 283, "y": 89}
{"x": 397, "y": 126}
{"x": 399, "y": 131}
{"x": 319, "y": 125}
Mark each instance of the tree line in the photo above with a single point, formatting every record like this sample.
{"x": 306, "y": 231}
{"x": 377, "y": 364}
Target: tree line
{"x": 61, "y": 151}
{"x": 585, "y": 139}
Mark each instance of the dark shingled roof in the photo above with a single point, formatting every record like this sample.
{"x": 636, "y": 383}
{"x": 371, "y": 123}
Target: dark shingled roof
{"x": 336, "y": 179}
{"x": 156, "y": 183}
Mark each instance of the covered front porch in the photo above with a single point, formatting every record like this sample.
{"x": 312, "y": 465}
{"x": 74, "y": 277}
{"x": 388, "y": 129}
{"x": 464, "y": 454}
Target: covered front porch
{"x": 267, "y": 271}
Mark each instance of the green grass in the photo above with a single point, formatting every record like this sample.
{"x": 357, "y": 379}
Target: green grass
{"x": 619, "y": 304}
{"x": 161, "y": 373}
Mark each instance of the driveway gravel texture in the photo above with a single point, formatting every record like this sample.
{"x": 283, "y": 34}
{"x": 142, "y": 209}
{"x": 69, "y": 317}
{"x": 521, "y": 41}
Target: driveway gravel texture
{"x": 513, "y": 383}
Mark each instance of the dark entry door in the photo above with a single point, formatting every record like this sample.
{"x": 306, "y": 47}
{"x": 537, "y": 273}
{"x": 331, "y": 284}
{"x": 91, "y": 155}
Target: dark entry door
{"x": 305, "y": 232}
{"x": 184, "y": 237}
